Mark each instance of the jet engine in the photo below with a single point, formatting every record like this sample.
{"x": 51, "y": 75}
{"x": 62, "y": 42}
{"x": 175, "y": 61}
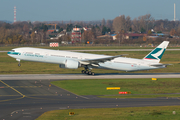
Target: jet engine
{"x": 70, "y": 64}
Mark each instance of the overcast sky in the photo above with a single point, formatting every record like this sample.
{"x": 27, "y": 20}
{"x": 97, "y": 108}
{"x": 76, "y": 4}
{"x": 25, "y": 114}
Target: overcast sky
{"x": 86, "y": 10}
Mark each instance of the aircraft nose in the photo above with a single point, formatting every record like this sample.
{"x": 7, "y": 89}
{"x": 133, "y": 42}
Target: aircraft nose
{"x": 9, "y": 52}
{"x": 13, "y": 53}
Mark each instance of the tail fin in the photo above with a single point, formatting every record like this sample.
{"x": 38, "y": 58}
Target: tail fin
{"x": 156, "y": 54}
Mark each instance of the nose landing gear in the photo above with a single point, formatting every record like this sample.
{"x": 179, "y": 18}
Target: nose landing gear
{"x": 19, "y": 64}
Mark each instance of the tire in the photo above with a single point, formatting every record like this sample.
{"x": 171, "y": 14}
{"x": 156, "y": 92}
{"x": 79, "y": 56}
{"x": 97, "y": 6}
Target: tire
{"x": 92, "y": 73}
{"x": 19, "y": 64}
{"x": 86, "y": 72}
{"x": 89, "y": 73}
{"x": 83, "y": 71}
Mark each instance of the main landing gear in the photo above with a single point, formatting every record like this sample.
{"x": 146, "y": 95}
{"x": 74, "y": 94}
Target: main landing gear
{"x": 87, "y": 70}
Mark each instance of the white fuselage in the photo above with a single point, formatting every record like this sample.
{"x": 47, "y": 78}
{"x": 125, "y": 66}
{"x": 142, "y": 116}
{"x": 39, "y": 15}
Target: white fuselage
{"x": 60, "y": 57}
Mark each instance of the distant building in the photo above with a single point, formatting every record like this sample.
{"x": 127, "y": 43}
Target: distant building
{"x": 58, "y": 36}
{"x": 152, "y": 37}
{"x": 114, "y": 36}
{"x": 85, "y": 28}
{"x": 76, "y": 35}
{"x": 128, "y": 36}
{"x": 105, "y": 36}
{"x": 52, "y": 30}
{"x": 160, "y": 34}
{"x": 133, "y": 35}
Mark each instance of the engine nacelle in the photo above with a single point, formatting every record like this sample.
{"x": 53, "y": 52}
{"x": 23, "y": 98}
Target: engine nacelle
{"x": 70, "y": 64}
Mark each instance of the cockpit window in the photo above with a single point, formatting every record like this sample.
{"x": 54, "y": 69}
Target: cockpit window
{"x": 12, "y": 50}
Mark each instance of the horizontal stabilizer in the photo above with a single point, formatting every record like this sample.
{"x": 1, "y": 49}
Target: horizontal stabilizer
{"x": 160, "y": 65}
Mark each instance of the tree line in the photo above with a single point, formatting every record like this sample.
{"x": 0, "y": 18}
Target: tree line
{"x": 34, "y": 33}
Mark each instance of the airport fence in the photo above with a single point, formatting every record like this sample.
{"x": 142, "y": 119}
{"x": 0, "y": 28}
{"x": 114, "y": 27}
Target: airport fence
{"x": 83, "y": 45}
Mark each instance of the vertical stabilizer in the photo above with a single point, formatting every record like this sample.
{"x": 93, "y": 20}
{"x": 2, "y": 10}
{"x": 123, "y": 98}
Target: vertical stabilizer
{"x": 156, "y": 54}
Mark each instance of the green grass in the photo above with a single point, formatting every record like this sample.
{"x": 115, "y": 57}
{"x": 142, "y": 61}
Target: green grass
{"x": 143, "y": 96}
{"x": 138, "y": 87}
{"x": 8, "y": 65}
{"x": 131, "y": 113}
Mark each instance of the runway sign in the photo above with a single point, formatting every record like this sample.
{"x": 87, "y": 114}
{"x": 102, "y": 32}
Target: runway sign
{"x": 154, "y": 78}
{"x": 54, "y": 44}
{"x": 113, "y": 88}
{"x": 124, "y": 92}
{"x": 71, "y": 113}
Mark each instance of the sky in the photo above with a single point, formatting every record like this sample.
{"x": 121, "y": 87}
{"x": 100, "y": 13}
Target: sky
{"x": 86, "y": 10}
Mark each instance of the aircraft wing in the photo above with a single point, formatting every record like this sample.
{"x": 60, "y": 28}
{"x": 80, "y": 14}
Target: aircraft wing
{"x": 98, "y": 60}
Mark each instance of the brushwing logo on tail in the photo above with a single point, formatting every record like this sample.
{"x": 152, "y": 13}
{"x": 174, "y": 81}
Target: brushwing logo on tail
{"x": 156, "y": 54}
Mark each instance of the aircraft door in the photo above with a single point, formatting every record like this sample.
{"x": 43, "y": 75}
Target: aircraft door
{"x": 46, "y": 56}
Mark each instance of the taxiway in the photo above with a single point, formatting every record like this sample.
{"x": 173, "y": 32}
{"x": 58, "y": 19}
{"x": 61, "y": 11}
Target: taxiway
{"x": 25, "y": 97}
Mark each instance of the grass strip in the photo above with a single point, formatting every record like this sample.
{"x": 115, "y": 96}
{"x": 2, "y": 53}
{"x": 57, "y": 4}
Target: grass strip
{"x": 167, "y": 96}
{"x": 137, "y": 87}
{"x": 130, "y": 113}
{"x": 9, "y": 65}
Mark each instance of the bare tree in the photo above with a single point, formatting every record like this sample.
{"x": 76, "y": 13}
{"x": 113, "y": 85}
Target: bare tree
{"x": 178, "y": 30}
{"x": 121, "y": 23}
{"x": 128, "y": 23}
{"x": 173, "y": 32}
{"x": 120, "y": 36}
{"x": 103, "y": 23}
{"x": 135, "y": 25}
{"x": 109, "y": 23}
{"x": 145, "y": 22}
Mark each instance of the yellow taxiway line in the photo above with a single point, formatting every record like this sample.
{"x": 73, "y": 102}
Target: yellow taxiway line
{"x": 12, "y": 88}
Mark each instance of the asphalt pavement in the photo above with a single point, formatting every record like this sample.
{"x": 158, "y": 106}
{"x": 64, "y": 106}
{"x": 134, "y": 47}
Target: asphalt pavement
{"x": 28, "y": 99}
{"x": 85, "y": 76}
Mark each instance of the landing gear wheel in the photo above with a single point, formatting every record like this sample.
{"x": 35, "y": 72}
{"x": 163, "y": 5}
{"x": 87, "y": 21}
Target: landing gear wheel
{"x": 19, "y": 64}
{"x": 83, "y": 71}
{"x": 86, "y": 72}
{"x": 92, "y": 73}
{"x": 89, "y": 73}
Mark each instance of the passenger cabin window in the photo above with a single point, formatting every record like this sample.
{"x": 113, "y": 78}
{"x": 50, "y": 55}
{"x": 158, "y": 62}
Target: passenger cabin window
{"x": 29, "y": 52}
{"x": 75, "y": 57}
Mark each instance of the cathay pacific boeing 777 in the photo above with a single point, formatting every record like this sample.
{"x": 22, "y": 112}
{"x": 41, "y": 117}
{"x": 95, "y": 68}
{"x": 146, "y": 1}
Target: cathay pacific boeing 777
{"x": 74, "y": 60}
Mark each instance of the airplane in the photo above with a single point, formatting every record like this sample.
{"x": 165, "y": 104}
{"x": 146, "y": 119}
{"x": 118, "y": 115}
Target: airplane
{"x": 74, "y": 60}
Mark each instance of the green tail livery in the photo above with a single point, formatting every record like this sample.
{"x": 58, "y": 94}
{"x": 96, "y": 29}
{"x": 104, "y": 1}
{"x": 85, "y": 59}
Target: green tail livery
{"x": 156, "y": 54}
